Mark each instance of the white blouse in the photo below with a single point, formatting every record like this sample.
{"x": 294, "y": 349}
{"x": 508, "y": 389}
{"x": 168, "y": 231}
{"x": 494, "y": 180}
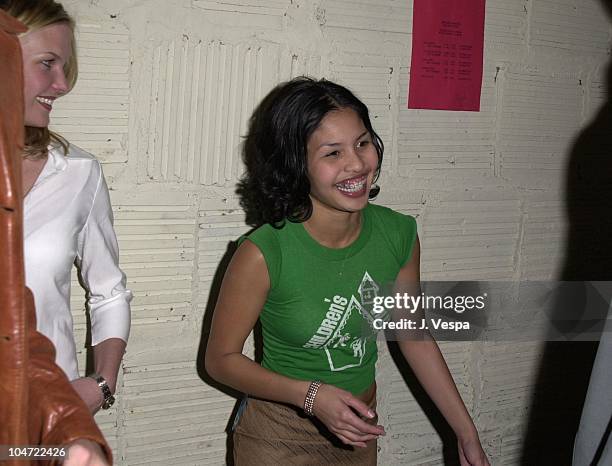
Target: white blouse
{"x": 68, "y": 219}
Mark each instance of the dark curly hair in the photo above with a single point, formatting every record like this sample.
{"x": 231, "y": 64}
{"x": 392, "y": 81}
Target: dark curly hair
{"x": 275, "y": 186}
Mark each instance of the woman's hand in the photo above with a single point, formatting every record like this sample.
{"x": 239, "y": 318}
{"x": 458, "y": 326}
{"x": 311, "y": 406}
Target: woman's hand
{"x": 84, "y": 452}
{"x": 90, "y": 393}
{"x": 471, "y": 452}
{"x": 333, "y": 405}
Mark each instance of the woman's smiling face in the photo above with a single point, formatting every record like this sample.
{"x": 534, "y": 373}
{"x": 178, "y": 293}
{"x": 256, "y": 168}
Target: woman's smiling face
{"x": 45, "y": 52}
{"x": 342, "y": 162}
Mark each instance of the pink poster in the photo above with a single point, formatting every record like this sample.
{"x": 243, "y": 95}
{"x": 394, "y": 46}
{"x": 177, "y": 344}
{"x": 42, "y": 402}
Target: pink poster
{"x": 447, "y": 45}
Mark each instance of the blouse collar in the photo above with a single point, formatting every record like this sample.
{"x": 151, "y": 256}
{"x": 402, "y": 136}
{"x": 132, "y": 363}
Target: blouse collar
{"x": 56, "y": 162}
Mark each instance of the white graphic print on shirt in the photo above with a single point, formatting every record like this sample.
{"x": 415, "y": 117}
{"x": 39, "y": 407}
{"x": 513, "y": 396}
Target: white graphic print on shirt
{"x": 340, "y": 333}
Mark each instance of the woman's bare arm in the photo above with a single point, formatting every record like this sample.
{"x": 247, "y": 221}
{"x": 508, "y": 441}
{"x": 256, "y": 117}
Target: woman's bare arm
{"x": 241, "y": 298}
{"x": 428, "y": 364}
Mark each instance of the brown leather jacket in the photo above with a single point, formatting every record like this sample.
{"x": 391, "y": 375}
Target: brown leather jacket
{"x": 37, "y": 403}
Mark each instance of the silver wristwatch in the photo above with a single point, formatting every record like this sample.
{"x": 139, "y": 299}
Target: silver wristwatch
{"x": 109, "y": 399}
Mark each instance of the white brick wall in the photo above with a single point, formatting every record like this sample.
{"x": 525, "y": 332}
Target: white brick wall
{"x": 165, "y": 91}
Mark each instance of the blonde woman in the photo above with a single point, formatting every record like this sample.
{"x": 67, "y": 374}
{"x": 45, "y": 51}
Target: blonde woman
{"x": 67, "y": 212}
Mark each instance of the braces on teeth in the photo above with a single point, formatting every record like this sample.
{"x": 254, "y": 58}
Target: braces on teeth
{"x": 351, "y": 188}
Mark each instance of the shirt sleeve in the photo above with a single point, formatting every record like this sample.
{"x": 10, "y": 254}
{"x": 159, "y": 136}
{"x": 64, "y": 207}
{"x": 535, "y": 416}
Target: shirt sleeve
{"x": 266, "y": 240}
{"x": 409, "y": 235}
{"x": 98, "y": 261}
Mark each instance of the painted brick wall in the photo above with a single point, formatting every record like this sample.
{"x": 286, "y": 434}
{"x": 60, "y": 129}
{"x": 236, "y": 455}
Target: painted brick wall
{"x": 164, "y": 94}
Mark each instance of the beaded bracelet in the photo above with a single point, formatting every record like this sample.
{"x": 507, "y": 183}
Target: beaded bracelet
{"x": 310, "y": 397}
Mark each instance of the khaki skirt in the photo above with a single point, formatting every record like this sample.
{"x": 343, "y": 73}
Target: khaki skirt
{"x": 268, "y": 433}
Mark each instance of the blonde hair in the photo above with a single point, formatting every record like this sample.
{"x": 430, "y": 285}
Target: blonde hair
{"x": 36, "y": 14}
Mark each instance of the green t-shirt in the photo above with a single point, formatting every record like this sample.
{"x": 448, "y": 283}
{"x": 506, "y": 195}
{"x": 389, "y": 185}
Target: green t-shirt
{"x": 313, "y": 319}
